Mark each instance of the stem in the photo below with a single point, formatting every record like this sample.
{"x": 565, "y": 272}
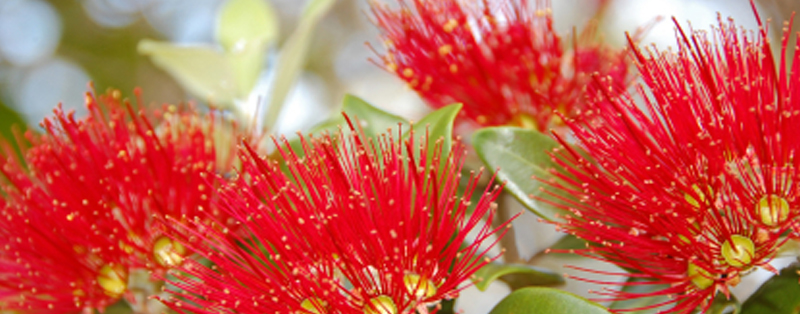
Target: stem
{"x": 509, "y": 241}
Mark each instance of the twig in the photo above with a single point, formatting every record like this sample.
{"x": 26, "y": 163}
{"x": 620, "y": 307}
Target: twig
{"x": 509, "y": 241}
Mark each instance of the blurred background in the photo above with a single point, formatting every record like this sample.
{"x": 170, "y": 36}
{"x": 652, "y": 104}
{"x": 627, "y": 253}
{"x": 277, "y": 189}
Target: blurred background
{"x": 51, "y": 49}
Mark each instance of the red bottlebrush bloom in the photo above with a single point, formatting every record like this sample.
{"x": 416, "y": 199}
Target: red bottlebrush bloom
{"x": 85, "y": 208}
{"x": 695, "y": 186}
{"x": 502, "y": 59}
{"x": 356, "y": 228}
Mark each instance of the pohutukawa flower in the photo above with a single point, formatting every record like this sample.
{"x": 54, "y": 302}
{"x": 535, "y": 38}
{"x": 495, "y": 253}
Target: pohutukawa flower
{"x": 502, "y": 59}
{"x": 357, "y": 227}
{"x": 694, "y": 187}
{"x": 83, "y": 213}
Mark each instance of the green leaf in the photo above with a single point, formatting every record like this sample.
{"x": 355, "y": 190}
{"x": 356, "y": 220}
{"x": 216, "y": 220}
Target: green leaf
{"x": 723, "y": 305}
{"x": 293, "y": 56}
{"x": 539, "y": 300}
{"x": 517, "y": 276}
{"x": 203, "y": 71}
{"x": 779, "y": 295}
{"x": 569, "y": 242}
{"x": 247, "y": 64}
{"x": 374, "y": 121}
{"x": 641, "y": 302}
{"x": 521, "y": 155}
{"x": 8, "y": 120}
{"x": 246, "y": 28}
{"x": 246, "y": 22}
{"x": 119, "y": 307}
{"x": 448, "y": 307}
{"x": 439, "y": 125}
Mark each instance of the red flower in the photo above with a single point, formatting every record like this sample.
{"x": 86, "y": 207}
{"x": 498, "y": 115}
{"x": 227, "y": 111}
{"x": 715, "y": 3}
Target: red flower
{"x": 84, "y": 209}
{"x": 502, "y": 59}
{"x": 357, "y": 227}
{"x": 695, "y": 186}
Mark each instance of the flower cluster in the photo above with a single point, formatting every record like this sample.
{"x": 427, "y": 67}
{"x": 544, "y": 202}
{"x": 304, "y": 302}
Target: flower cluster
{"x": 83, "y": 211}
{"x": 353, "y": 226}
{"x": 502, "y": 59}
{"x": 695, "y": 186}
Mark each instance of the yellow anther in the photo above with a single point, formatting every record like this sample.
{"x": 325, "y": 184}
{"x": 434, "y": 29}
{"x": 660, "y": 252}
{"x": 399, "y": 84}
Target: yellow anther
{"x": 113, "y": 279}
{"x": 450, "y": 25}
{"x": 168, "y": 253}
{"x": 524, "y": 121}
{"x": 700, "y": 277}
{"x": 314, "y": 305}
{"x": 391, "y": 67}
{"x": 773, "y": 210}
{"x": 381, "y": 304}
{"x": 445, "y": 49}
{"x": 453, "y": 68}
{"x": 419, "y": 287}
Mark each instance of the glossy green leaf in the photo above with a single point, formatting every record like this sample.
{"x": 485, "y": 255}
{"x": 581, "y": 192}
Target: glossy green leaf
{"x": 724, "y": 305}
{"x": 517, "y": 276}
{"x": 246, "y": 22}
{"x": 539, "y": 300}
{"x": 439, "y": 125}
{"x": 448, "y": 307}
{"x": 119, "y": 307}
{"x": 521, "y": 155}
{"x": 293, "y": 56}
{"x": 778, "y": 295}
{"x": 569, "y": 242}
{"x": 641, "y": 302}
{"x": 203, "y": 71}
{"x": 372, "y": 120}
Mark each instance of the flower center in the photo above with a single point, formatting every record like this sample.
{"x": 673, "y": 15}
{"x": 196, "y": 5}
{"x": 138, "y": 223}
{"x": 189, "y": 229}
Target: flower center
{"x": 773, "y": 210}
{"x": 524, "y": 121}
{"x": 419, "y": 287}
{"x": 314, "y": 305}
{"x": 738, "y": 251}
{"x": 168, "y": 253}
{"x": 113, "y": 279}
{"x": 700, "y": 277}
{"x": 381, "y": 304}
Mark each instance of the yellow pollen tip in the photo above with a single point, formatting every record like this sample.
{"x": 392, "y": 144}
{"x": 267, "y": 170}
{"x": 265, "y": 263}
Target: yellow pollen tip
{"x": 113, "y": 280}
{"x": 314, "y": 305}
{"x": 700, "y": 277}
{"x": 445, "y": 49}
{"x": 450, "y": 25}
{"x": 453, "y": 68}
{"x": 419, "y": 287}
{"x": 168, "y": 253}
{"x": 773, "y": 210}
{"x": 381, "y": 304}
